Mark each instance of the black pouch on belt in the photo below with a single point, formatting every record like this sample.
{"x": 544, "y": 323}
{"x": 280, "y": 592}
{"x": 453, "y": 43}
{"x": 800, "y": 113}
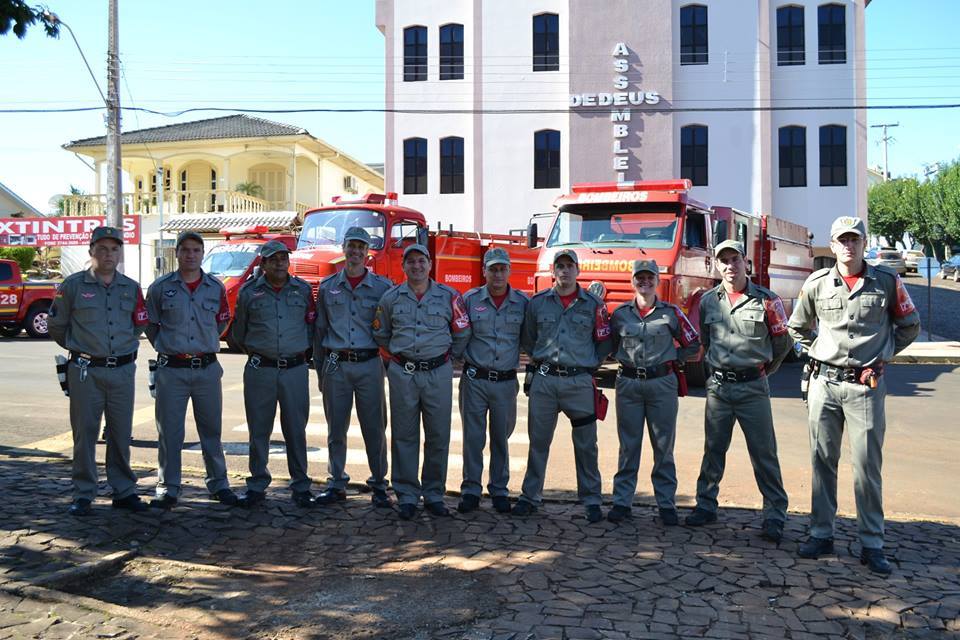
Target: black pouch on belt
{"x": 530, "y": 371}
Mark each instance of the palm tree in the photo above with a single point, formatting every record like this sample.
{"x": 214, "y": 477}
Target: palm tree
{"x": 250, "y": 188}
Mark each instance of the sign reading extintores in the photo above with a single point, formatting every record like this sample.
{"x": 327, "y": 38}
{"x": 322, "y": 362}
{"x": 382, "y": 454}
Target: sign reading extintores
{"x": 60, "y": 232}
{"x": 620, "y": 98}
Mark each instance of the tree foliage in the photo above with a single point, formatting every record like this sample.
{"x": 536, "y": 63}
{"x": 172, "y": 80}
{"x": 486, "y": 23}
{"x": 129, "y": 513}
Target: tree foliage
{"x": 20, "y": 15}
{"x": 22, "y": 255}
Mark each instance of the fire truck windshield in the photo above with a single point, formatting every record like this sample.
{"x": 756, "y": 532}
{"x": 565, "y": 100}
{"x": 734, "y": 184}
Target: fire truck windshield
{"x": 652, "y": 227}
{"x": 329, "y": 226}
{"x": 225, "y": 260}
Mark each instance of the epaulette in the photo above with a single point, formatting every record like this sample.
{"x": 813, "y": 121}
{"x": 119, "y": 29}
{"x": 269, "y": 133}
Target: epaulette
{"x": 328, "y": 278}
{"x": 819, "y": 273}
{"x": 541, "y": 293}
{"x": 882, "y": 268}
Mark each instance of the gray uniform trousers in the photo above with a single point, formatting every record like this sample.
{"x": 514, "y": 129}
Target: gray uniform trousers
{"x": 105, "y": 392}
{"x": 862, "y": 408}
{"x": 749, "y": 404}
{"x": 430, "y": 394}
{"x": 655, "y": 401}
{"x": 478, "y": 400}
{"x": 365, "y": 379}
{"x": 263, "y": 388}
{"x": 174, "y": 388}
{"x": 549, "y": 396}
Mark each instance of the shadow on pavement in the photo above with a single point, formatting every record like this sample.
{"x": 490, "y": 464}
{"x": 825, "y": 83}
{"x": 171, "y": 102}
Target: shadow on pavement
{"x": 354, "y": 571}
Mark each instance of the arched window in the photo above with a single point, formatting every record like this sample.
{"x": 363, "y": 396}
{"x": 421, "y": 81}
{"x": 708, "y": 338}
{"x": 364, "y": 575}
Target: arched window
{"x": 451, "y": 52}
{"x": 414, "y": 54}
{"x": 833, "y": 156}
{"x": 693, "y": 154}
{"x": 693, "y": 34}
{"x": 415, "y": 165}
{"x": 832, "y": 33}
{"x": 451, "y": 165}
{"x": 790, "y": 35}
{"x": 546, "y": 42}
{"x": 793, "y": 156}
{"x": 546, "y": 159}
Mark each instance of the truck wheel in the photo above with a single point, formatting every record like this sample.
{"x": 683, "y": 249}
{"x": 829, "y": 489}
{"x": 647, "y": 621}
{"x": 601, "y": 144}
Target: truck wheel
{"x": 10, "y": 331}
{"x": 696, "y": 374}
{"x": 36, "y": 322}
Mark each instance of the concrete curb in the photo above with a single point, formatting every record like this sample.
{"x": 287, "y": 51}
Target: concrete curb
{"x": 109, "y": 563}
{"x": 929, "y": 353}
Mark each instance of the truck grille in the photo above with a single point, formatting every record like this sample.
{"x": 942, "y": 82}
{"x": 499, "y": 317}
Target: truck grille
{"x": 305, "y": 269}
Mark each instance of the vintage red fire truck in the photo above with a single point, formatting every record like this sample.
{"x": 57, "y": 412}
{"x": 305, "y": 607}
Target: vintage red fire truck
{"x": 24, "y": 305}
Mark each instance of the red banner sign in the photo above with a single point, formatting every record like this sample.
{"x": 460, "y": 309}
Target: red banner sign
{"x": 60, "y": 232}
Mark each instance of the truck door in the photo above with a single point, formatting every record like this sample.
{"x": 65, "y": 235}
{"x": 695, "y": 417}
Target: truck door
{"x": 403, "y": 233}
{"x": 9, "y": 290}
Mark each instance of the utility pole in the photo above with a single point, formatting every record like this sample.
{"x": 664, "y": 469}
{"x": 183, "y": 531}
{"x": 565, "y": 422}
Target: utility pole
{"x": 885, "y": 139}
{"x": 114, "y": 217}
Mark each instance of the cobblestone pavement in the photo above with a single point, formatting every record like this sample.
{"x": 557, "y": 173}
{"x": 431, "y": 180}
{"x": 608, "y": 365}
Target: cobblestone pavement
{"x": 944, "y": 303}
{"x": 204, "y": 570}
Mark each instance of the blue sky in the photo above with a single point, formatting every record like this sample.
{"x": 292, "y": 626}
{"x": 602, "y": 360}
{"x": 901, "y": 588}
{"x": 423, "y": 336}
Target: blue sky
{"x": 329, "y": 53}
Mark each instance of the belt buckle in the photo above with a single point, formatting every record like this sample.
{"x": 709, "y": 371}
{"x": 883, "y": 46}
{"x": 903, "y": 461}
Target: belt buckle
{"x": 334, "y": 357}
{"x": 423, "y": 365}
{"x": 196, "y": 362}
{"x": 254, "y": 362}
{"x": 83, "y": 361}
{"x": 110, "y": 362}
{"x": 642, "y": 373}
{"x": 493, "y": 376}
{"x": 718, "y": 376}
{"x": 353, "y": 356}
{"x": 471, "y": 372}
{"x": 410, "y": 366}
{"x": 849, "y": 375}
{"x": 833, "y": 373}
{"x": 543, "y": 369}
{"x": 281, "y": 363}
{"x": 731, "y": 376}
{"x": 162, "y": 359}
{"x": 562, "y": 371}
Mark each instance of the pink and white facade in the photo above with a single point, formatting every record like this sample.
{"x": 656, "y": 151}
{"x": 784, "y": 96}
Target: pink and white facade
{"x": 619, "y": 97}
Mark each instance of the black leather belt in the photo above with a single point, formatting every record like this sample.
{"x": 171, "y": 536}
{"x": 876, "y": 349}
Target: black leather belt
{"x": 110, "y": 362}
{"x": 357, "y": 355}
{"x": 645, "y": 373}
{"x": 412, "y": 366}
{"x": 843, "y": 374}
{"x": 548, "y": 369}
{"x": 199, "y": 361}
{"x": 737, "y": 375}
{"x": 491, "y": 375}
{"x": 256, "y": 361}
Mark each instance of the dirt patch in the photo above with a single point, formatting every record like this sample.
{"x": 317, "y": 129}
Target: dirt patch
{"x": 289, "y": 602}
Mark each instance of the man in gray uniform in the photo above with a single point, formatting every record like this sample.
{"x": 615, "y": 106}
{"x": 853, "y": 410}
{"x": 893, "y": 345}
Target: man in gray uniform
{"x": 743, "y": 327}
{"x": 422, "y": 324}
{"x": 488, "y": 384}
{"x": 566, "y": 331}
{"x": 646, "y": 332}
{"x": 98, "y": 315}
{"x": 274, "y": 326}
{"x": 349, "y": 364}
{"x": 188, "y": 312}
{"x": 865, "y": 316}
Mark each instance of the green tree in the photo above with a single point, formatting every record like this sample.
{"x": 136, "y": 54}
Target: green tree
{"x": 20, "y": 15}
{"x": 891, "y": 209}
{"x": 22, "y": 255}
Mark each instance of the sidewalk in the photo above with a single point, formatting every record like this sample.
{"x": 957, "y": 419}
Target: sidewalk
{"x": 930, "y": 350}
{"x": 204, "y": 570}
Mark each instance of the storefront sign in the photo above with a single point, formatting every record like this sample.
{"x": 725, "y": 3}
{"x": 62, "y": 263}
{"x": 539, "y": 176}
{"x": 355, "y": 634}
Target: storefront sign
{"x": 60, "y": 232}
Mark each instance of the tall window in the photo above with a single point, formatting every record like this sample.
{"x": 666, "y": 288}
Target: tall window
{"x": 546, "y": 42}
{"x": 833, "y": 156}
{"x": 793, "y": 156}
{"x": 790, "y": 49}
{"x": 832, "y": 33}
{"x": 693, "y": 34}
{"x": 693, "y": 153}
{"x": 415, "y": 165}
{"x": 451, "y": 165}
{"x": 451, "y": 52}
{"x": 546, "y": 159}
{"x": 414, "y": 54}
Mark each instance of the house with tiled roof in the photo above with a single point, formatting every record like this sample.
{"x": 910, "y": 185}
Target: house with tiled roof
{"x": 13, "y": 206}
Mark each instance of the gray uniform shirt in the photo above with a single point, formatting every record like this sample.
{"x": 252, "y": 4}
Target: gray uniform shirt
{"x": 422, "y": 329}
{"x": 344, "y": 315}
{"x": 88, "y": 317}
{"x": 578, "y": 336}
{"x": 856, "y": 328}
{"x": 495, "y": 333}
{"x": 274, "y": 324}
{"x": 185, "y": 322}
{"x": 650, "y": 340}
{"x": 750, "y": 333}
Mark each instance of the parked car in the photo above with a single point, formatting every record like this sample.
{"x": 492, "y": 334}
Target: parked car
{"x": 889, "y": 258}
{"x": 910, "y": 258}
{"x": 951, "y": 269}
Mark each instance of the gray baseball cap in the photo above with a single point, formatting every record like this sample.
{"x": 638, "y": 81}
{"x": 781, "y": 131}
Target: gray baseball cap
{"x": 110, "y": 233}
{"x": 847, "y": 224}
{"x": 188, "y": 235}
{"x": 496, "y": 255}
{"x": 416, "y": 247}
{"x": 646, "y": 265}
{"x": 356, "y": 233}
{"x": 729, "y": 244}
{"x": 568, "y": 253}
{"x": 272, "y": 248}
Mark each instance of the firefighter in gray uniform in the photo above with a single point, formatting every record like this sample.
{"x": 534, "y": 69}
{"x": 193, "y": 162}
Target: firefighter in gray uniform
{"x": 188, "y": 311}
{"x": 865, "y": 316}
{"x": 422, "y": 324}
{"x": 349, "y": 365}
{"x": 274, "y": 327}
{"x": 566, "y": 332}
{"x": 98, "y": 315}
{"x": 743, "y": 328}
{"x": 488, "y": 384}
{"x": 645, "y": 334}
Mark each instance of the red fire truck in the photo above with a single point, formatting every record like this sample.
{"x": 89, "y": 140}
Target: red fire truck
{"x": 23, "y": 304}
{"x": 609, "y": 225}
{"x": 456, "y": 255}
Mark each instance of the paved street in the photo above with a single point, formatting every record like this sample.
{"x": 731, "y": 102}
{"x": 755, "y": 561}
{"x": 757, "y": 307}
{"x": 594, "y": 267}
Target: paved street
{"x": 919, "y": 470}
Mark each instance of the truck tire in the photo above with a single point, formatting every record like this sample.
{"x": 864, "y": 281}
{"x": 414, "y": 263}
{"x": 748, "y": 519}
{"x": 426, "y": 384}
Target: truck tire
{"x": 696, "y": 374}
{"x": 10, "y": 331}
{"x": 36, "y": 321}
